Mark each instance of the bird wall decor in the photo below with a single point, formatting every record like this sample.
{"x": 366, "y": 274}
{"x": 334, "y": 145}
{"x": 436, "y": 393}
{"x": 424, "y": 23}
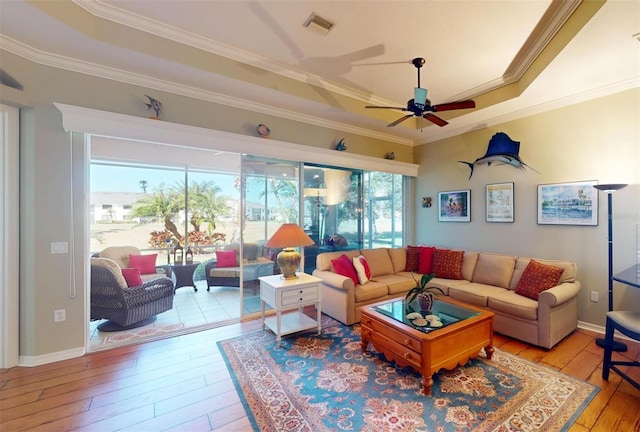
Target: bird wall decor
{"x": 155, "y": 105}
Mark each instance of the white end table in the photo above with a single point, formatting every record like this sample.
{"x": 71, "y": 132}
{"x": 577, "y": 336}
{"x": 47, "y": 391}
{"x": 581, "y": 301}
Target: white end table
{"x": 289, "y": 296}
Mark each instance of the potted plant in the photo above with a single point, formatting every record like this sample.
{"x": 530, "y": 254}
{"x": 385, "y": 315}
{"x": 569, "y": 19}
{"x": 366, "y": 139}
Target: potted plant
{"x": 423, "y": 293}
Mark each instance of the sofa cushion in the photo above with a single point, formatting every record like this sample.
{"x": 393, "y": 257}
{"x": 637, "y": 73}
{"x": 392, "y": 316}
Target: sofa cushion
{"x": 469, "y": 264}
{"x": 398, "y": 258}
{"x": 370, "y": 291}
{"x": 226, "y": 272}
{"x": 447, "y": 264}
{"x": 425, "y": 266}
{"x": 362, "y": 269}
{"x": 344, "y": 267}
{"x": 113, "y": 267}
{"x": 379, "y": 261}
{"x": 569, "y": 274}
{"x": 413, "y": 258}
{"x": 396, "y": 284}
{"x": 494, "y": 269}
{"x": 510, "y": 303}
{"x": 132, "y": 276}
{"x": 146, "y": 263}
{"x": 226, "y": 258}
{"x": 475, "y": 293}
{"x": 323, "y": 260}
{"x": 119, "y": 254}
{"x": 538, "y": 277}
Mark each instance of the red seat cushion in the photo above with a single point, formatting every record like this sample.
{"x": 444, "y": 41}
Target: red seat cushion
{"x": 538, "y": 277}
{"x": 226, "y": 259}
{"x": 344, "y": 267}
{"x": 146, "y": 263}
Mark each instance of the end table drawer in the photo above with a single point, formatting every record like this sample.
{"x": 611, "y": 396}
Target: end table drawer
{"x": 295, "y": 296}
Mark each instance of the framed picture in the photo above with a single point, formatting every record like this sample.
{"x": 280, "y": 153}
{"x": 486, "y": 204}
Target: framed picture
{"x": 574, "y": 203}
{"x": 454, "y": 206}
{"x": 500, "y": 202}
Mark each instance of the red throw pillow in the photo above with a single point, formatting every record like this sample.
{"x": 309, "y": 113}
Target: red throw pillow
{"x": 132, "y": 276}
{"x": 362, "y": 269}
{"x": 447, "y": 264}
{"x": 425, "y": 266}
{"x": 344, "y": 267}
{"x": 226, "y": 259}
{"x": 413, "y": 258}
{"x": 146, "y": 263}
{"x": 538, "y": 277}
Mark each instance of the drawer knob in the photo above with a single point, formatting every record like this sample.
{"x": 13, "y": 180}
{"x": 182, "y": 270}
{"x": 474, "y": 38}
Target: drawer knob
{"x": 407, "y": 341}
{"x": 406, "y": 355}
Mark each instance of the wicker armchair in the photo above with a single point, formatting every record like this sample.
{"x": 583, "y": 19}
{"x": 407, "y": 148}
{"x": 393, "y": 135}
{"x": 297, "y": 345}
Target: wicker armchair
{"x": 126, "y": 307}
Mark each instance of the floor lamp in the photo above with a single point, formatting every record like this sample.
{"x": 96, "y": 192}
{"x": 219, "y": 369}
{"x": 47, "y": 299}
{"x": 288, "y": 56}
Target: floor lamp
{"x": 610, "y": 189}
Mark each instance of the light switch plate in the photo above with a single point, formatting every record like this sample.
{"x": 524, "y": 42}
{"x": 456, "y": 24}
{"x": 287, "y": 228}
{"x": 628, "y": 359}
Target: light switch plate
{"x": 59, "y": 247}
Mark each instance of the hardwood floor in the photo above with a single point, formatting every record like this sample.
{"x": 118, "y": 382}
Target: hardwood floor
{"x": 182, "y": 384}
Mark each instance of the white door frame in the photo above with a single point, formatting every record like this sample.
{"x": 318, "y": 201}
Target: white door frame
{"x": 9, "y": 236}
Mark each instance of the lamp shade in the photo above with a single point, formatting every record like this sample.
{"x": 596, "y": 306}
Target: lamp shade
{"x": 287, "y": 237}
{"x": 610, "y": 187}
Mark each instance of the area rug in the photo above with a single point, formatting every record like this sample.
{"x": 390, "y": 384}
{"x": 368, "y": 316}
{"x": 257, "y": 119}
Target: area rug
{"x": 325, "y": 383}
{"x": 143, "y": 332}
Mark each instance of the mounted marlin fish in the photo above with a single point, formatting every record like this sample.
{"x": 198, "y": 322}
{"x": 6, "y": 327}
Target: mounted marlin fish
{"x": 502, "y": 151}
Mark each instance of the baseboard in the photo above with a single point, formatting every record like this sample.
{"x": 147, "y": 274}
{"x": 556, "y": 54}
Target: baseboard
{"x": 601, "y": 329}
{"x": 30, "y": 361}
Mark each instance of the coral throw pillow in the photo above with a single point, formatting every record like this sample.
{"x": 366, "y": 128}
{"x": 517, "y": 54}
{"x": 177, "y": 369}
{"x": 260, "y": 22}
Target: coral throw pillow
{"x": 132, "y": 276}
{"x": 344, "y": 267}
{"x": 226, "y": 259}
{"x": 426, "y": 259}
{"x": 146, "y": 263}
{"x": 362, "y": 269}
{"x": 413, "y": 258}
{"x": 538, "y": 277}
{"x": 447, "y": 264}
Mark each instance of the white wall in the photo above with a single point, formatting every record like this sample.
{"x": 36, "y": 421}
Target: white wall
{"x": 594, "y": 140}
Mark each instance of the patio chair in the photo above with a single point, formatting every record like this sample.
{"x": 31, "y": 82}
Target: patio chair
{"x": 627, "y": 323}
{"x": 126, "y": 307}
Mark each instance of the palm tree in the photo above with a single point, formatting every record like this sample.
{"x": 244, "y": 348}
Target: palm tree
{"x": 143, "y": 185}
{"x": 207, "y": 205}
{"x": 164, "y": 203}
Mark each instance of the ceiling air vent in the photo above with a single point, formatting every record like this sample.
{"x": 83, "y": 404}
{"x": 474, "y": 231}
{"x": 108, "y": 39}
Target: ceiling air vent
{"x": 318, "y": 24}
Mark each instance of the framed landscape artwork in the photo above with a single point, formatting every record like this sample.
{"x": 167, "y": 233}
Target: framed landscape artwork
{"x": 574, "y": 203}
{"x": 454, "y": 206}
{"x": 500, "y": 202}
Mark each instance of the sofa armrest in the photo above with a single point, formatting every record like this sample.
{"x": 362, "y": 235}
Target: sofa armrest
{"x": 334, "y": 280}
{"x": 559, "y": 294}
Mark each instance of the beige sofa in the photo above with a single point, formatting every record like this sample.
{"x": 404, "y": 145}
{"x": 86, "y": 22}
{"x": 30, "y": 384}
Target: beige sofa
{"x": 488, "y": 280}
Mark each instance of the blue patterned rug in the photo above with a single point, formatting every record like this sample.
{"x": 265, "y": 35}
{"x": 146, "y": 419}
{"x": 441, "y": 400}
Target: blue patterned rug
{"x": 325, "y": 383}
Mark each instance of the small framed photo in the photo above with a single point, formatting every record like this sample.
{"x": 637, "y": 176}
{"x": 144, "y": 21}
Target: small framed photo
{"x": 454, "y": 206}
{"x": 500, "y": 202}
{"x": 574, "y": 203}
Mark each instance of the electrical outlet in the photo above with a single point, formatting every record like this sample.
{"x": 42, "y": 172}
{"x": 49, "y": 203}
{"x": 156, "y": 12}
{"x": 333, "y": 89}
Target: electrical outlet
{"x": 59, "y": 315}
{"x": 594, "y": 296}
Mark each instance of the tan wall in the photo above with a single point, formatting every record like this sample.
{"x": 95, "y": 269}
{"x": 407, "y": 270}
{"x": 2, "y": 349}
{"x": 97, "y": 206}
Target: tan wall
{"x": 46, "y": 280}
{"x": 594, "y": 140}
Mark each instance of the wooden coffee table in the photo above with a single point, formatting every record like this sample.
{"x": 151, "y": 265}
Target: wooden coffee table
{"x": 466, "y": 331}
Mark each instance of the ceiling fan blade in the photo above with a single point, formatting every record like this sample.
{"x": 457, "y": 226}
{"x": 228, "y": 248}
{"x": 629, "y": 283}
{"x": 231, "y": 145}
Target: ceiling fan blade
{"x": 387, "y": 107}
{"x": 435, "y": 119}
{"x": 454, "y": 106}
{"x": 400, "y": 120}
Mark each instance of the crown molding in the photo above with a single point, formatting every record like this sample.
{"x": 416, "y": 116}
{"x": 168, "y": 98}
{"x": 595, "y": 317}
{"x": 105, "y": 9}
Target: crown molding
{"x": 120, "y": 16}
{"x": 470, "y": 126}
{"x": 102, "y": 71}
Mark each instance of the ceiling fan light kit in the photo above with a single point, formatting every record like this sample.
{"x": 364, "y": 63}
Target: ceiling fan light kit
{"x": 420, "y": 106}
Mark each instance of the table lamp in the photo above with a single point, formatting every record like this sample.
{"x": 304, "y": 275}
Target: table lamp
{"x": 287, "y": 237}
{"x": 610, "y": 189}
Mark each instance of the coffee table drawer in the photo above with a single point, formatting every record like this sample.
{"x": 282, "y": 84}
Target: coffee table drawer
{"x": 401, "y": 353}
{"x": 393, "y": 334}
{"x": 301, "y": 295}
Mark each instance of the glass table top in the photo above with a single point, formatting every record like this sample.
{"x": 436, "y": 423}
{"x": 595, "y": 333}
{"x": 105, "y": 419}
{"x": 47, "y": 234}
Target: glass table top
{"x": 442, "y": 314}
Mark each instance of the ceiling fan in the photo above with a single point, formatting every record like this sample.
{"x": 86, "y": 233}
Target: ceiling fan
{"x": 420, "y": 106}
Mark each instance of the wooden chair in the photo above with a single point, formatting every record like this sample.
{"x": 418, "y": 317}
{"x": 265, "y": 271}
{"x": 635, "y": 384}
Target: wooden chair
{"x": 627, "y": 323}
